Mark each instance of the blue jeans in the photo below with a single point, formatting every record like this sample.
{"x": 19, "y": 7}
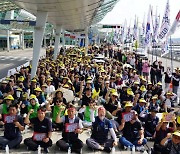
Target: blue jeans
{"x": 127, "y": 143}
{"x": 11, "y": 143}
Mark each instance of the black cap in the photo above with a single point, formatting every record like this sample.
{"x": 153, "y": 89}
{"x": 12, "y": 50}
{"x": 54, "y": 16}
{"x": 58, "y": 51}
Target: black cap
{"x": 154, "y": 109}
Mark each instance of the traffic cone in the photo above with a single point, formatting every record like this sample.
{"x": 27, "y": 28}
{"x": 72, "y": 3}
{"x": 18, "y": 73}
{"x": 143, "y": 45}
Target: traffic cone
{"x": 170, "y": 87}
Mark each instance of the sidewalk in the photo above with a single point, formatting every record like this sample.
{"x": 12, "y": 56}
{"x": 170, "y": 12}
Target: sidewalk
{"x": 165, "y": 61}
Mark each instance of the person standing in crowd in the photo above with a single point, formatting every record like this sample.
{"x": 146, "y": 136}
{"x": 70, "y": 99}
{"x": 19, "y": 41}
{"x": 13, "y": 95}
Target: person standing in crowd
{"x": 160, "y": 71}
{"x": 13, "y": 125}
{"x": 139, "y": 66}
{"x": 119, "y": 55}
{"x": 146, "y": 69}
{"x": 153, "y": 72}
{"x": 167, "y": 79}
{"x": 175, "y": 81}
{"x": 72, "y": 126}
{"x": 100, "y": 129}
{"x": 110, "y": 50}
{"x": 42, "y": 131}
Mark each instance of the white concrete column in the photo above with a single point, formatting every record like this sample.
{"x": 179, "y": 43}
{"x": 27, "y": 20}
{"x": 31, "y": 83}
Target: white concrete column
{"x": 45, "y": 41}
{"x": 79, "y": 42}
{"x": 41, "y": 18}
{"x": 50, "y": 42}
{"x": 57, "y": 39}
{"x": 33, "y": 36}
{"x": 63, "y": 38}
{"x": 22, "y": 40}
{"x": 69, "y": 41}
{"x": 76, "y": 41}
{"x": 8, "y": 40}
{"x": 86, "y": 40}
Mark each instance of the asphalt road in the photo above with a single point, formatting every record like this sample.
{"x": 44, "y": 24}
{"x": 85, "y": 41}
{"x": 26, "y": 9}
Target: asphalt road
{"x": 7, "y": 63}
{"x": 15, "y": 58}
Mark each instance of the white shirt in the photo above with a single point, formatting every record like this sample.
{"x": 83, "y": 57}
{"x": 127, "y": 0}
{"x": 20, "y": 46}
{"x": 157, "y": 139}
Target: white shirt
{"x": 50, "y": 89}
{"x": 72, "y": 121}
{"x": 168, "y": 103}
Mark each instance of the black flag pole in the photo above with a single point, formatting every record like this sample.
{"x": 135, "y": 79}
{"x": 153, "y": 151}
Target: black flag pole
{"x": 171, "y": 54}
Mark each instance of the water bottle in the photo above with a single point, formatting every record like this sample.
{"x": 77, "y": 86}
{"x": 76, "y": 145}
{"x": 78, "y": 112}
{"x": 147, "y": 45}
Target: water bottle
{"x": 128, "y": 148}
{"x": 133, "y": 150}
{"x": 39, "y": 149}
{"x": 69, "y": 150}
{"x": 113, "y": 150}
{"x": 7, "y": 149}
{"x": 25, "y": 129}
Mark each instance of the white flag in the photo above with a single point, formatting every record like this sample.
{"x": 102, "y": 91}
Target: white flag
{"x": 143, "y": 26}
{"x": 148, "y": 29}
{"x": 156, "y": 27}
{"x": 165, "y": 24}
{"x": 135, "y": 29}
{"x": 124, "y": 31}
{"x": 164, "y": 48}
{"x": 175, "y": 24}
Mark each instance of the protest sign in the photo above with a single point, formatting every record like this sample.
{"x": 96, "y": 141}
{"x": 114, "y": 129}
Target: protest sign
{"x": 128, "y": 116}
{"x": 168, "y": 117}
{"x": 70, "y": 127}
{"x": 39, "y": 136}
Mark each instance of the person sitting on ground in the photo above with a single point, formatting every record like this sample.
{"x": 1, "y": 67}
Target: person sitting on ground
{"x": 59, "y": 95}
{"x": 42, "y": 131}
{"x": 171, "y": 143}
{"x": 162, "y": 130}
{"x": 112, "y": 104}
{"x": 168, "y": 101}
{"x": 39, "y": 96}
{"x": 141, "y": 108}
{"x": 153, "y": 103}
{"x": 55, "y": 110}
{"x": 86, "y": 98}
{"x": 8, "y": 100}
{"x": 50, "y": 88}
{"x": 33, "y": 106}
{"x": 87, "y": 112}
{"x": 133, "y": 132}
{"x": 72, "y": 126}
{"x": 151, "y": 121}
{"x": 24, "y": 105}
{"x": 13, "y": 125}
{"x": 100, "y": 129}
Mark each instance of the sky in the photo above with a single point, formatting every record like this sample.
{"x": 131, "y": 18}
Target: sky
{"x": 128, "y": 9}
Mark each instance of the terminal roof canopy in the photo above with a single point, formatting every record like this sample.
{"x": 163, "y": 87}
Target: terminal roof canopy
{"x": 73, "y": 15}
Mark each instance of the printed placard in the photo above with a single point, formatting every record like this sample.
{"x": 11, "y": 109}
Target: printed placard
{"x": 168, "y": 117}
{"x": 39, "y": 136}
{"x": 71, "y": 127}
{"x": 128, "y": 116}
{"x": 9, "y": 118}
